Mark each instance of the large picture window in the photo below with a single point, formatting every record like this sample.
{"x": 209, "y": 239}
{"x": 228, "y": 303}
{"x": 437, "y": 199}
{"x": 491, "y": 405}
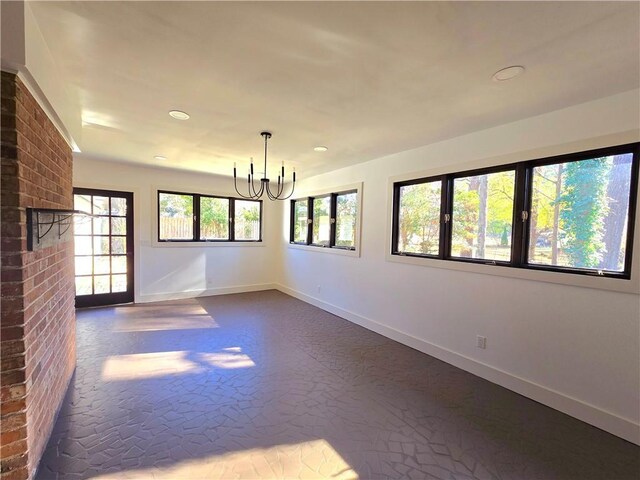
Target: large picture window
{"x": 573, "y": 213}
{"x": 580, "y": 213}
{"x": 191, "y": 217}
{"x": 329, "y": 220}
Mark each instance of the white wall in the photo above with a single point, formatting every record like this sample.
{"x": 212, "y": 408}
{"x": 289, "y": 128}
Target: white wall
{"x": 169, "y": 271}
{"x": 576, "y": 349}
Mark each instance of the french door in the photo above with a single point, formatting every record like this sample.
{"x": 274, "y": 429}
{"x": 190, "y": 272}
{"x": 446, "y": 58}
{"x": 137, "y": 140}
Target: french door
{"x": 103, "y": 247}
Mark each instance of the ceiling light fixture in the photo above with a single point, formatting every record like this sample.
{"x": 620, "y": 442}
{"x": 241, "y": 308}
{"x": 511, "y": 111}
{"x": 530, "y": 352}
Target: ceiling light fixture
{"x": 160, "y": 157}
{"x": 255, "y": 193}
{"x": 508, "y": 73}
{"x": 320, "y": 148}
{"x": 179, "y": 115}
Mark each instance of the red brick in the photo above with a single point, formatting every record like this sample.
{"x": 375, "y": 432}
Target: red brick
{"x": 38, "y": 299}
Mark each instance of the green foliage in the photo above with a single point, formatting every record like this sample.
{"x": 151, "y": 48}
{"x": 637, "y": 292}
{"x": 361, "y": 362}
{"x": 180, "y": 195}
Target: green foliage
{"x": 584, "y": 207}
{"x": 172, "y": 205}
{"x": 214, "y": 217}
{"x": 300, "y": 220}
{"x": 466, "y": 212}
{"x": 420, "y": 218}
{"x": 321, "y": 214}
{"x": 346, "y": 211}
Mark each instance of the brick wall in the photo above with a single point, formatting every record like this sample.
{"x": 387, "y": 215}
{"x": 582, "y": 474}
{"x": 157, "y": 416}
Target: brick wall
{"x": 37, "y": 331}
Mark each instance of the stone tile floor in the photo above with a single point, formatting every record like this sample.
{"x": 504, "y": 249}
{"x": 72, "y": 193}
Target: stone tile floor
{"x": 261, "y": 385}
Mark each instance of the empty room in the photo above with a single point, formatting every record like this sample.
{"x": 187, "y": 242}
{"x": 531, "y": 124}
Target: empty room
{"x": 320, "y": 240}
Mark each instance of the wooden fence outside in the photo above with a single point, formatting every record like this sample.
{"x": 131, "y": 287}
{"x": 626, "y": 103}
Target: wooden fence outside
{"x": 182, "y": 228}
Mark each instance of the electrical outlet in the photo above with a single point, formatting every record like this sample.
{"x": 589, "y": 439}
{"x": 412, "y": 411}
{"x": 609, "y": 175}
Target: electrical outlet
{"x": 481, "y": 342}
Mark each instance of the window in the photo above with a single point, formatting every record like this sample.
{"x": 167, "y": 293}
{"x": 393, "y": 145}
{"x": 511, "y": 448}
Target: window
{"x": 214, "y": 218}
{"x": 573, "y": 213}
{"x": 579, "y": 213}
{"x": 300, "y": 231}
{"x": 247, "y": 220}
{"x": 483, "y": 215}
{"x": 176, "y": 216}
{"x": 191, "y": 217}
{"x": 346, "y": 216}
{"x": 419, "y": 217}
{"x": 321, "y": 229}
{"x": 329, "y": 220}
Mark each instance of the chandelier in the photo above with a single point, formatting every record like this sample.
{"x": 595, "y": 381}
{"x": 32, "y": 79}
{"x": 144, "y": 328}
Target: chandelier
{"x": 264, "y": 185}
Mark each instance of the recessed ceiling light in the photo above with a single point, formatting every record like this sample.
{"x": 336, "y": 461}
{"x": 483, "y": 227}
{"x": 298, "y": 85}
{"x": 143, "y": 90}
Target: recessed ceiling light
{"x": 179, "y": 115}
{"x": 160, "y": 157}
{"x": 320, "y": 148}
{"x": 508, "y": 73}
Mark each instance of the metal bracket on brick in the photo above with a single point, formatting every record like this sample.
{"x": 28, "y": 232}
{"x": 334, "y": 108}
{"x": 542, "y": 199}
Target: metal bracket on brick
{"x": 41, "y": 223}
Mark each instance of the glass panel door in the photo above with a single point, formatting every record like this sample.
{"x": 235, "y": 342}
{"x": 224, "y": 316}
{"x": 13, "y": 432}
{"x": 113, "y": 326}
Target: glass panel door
{"x": 103, "y": 247}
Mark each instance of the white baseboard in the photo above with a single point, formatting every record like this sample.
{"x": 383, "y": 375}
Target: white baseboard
{"x": 607, "y": 421}
{"x": 159, "y": 297}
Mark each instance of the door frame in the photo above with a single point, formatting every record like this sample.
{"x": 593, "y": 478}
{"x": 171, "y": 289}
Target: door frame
{"x": 103, "y": 299}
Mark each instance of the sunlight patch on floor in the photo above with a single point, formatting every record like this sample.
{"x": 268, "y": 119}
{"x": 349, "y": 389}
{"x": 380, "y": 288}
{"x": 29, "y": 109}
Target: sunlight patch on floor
{"x": 228, "y": 360}
{"x": 147, "y": 365}
{"x": 139, "y": 366}
{"x": 154, "y": 318}
{"x": 315, "y": 459}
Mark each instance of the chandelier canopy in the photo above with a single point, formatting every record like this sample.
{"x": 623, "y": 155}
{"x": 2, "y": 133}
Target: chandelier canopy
{"x": 264, "y": 185}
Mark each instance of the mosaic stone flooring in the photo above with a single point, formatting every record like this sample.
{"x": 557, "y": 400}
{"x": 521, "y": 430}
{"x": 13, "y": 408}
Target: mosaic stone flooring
{"x": 261, "y": 385}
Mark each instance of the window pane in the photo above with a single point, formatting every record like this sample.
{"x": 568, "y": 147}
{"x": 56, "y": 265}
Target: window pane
{"x": 101, "y": 226}
{"x": 346, "y": 214}
{"x": 118, "y": 283}
{"x": 82, "y": 202}
{"x": 118, "y": 226}
{"x": 101, "y": 205}
{"x": 300, "y": 217}
{"x": 84, "y": 285}
{"x": 101, "y": 284}
{"x": 214, "y": 218}
{"x": 84, "y": 266}
{"x": 100, "y": 245}
{"x": 101, "y": 265}
{"x": 176, "y": 216}
{"x": 81, "y": 225}
{"x": 321, "y": 223}
{"x": 118, "y": 245}
{"x": 83, "y": 245}
{"x": 118, "y": 206}
{"x": 119, "y": 264}
{"x": 579, "y": 213}
{"x": 419, "y": 218}
{"x": 482, "y": 216}
{"x": 247, "y": 221}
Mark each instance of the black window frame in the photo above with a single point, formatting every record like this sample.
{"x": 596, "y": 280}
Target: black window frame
{"x": 521, "y": 211}
{"x": 292, "y": 233}
{"x": 444, "y": 201}
{"x": 332, "y": 220}
{"x": 312, "y": 200}
{"x": 450, "y": 205}
{"x": 196, "y": 218}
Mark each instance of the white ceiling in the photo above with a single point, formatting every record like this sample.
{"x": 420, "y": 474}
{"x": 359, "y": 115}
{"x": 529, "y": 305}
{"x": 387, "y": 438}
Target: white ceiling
{"x": 365, "y": 79}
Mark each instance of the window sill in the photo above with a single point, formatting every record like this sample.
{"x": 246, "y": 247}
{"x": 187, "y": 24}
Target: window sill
{"x": 563, "y": 278}
{"x": 318, "y": 249}
{"x": 188, "y": 244}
